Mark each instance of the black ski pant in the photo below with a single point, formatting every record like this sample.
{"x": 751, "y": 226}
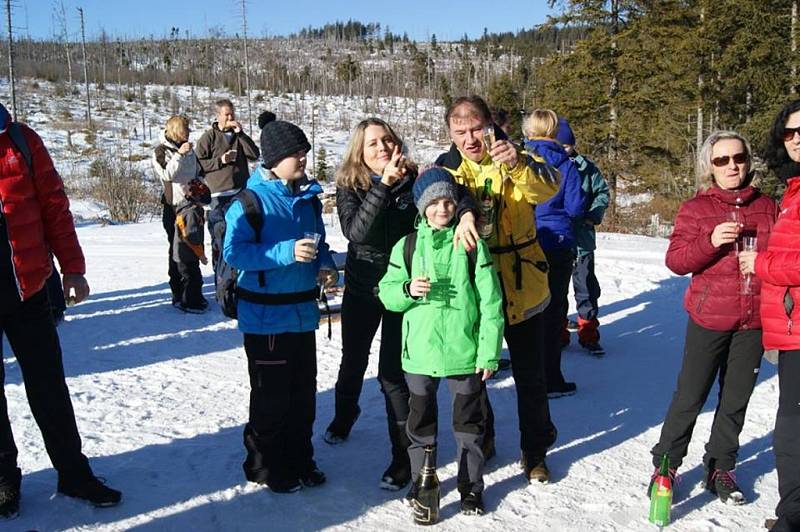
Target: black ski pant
{"x": 537, "y": 432}
{"x": 168, "y": 221}
{"x": 468, "y": 425}
{"x": 786, "y": 442}
{"x": 736, "y": 357}
{"x": 558, "y": 275}
{"x": 32, "y": 335}
{"x": 360, "y": 319}
{"x": 586, "y": 287}
{"x": 216, "y": 215}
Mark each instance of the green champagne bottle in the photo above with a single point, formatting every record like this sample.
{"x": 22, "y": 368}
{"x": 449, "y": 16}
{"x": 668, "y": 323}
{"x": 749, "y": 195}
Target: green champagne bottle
{"x": 487, "y": 210}
{"x": 661, "y": 495}
{"x": 426, "y": 505}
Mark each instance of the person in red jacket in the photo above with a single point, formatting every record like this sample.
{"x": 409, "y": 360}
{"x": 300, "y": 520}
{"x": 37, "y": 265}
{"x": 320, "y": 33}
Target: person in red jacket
{"x": 723, "y": 335}
{"x": 778, "y": 267}
{"x": 34, "y": 219}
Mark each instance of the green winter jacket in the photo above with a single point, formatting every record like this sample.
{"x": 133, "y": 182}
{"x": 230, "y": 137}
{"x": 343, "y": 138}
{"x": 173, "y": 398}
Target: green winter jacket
{"x": 460, "y": 325}
{"x": 596, "y": 188}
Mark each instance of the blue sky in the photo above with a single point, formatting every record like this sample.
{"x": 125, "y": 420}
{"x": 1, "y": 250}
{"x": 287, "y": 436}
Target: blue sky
{"x": 448, "y": 19}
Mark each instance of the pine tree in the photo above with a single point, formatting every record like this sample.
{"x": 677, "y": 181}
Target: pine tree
{"x": 321, "y": 165}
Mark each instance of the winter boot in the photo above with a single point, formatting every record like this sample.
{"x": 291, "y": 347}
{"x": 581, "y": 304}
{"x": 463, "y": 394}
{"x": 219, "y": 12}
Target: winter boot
{"x": 561, "y": 390}
{"x": 313, "y": 477}
{"x": 673, "y": 476}
{"x": 255, "y": 466}
{"x": 589, "y": 336}
{"x": 535, "y": 469}
{"x": 723, "y": 485}
{"x": 472, "y": 504}
{"x": 398, "y": 474}
{"x": 347, "y": 412}
{"x": 9, "y": 494}
{"x": 90, "y": 489}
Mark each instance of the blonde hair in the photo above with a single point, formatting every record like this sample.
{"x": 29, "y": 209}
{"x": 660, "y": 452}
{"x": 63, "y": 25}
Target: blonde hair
{"x": 354, "y": 172}
{"x": 541, "y": 123}
{"x": 704, "y": 169}
{"x": 176, "y": 125}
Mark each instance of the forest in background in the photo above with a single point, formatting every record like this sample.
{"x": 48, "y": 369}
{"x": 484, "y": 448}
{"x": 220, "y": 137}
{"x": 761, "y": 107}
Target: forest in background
{"x": 641, "y": 81}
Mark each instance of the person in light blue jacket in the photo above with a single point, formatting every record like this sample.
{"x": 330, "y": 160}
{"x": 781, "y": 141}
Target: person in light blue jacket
{"x": 278, "y": 285}
{"x": 554, "y": 226}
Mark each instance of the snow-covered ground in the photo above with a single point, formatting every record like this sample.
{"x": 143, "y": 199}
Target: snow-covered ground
{"x": 161, "y": 398}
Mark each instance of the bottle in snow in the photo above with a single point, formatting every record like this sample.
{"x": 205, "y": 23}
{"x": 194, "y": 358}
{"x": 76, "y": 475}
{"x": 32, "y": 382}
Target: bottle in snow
{"x": 426, "y": 505}
{"x": 487, "y": 210}
{"x": 661, "y": 495}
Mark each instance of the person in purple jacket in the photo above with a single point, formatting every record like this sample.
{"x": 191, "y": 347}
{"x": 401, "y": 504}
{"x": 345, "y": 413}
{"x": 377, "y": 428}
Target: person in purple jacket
{"x": 554, "y": 222}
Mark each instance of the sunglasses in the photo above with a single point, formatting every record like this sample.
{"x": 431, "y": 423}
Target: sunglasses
{"x": 790, "y": 132}
{"x": 739, "y": 158}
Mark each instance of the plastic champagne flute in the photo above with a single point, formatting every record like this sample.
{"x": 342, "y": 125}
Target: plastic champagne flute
{"x": 423, "y": 267}
{"x": 749, "y": 243}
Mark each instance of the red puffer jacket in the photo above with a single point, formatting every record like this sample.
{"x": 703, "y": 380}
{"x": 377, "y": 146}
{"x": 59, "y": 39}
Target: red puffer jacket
{"x": 37, "y": 215}
{"x": 713, "y": 299}
{"x": 779, "y": 269}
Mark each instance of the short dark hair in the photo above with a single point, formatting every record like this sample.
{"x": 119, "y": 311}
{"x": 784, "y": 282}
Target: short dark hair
{"x": 224, "y": 102}
{"x": 775, "y": 151}
{"x": 500, "y": 116}
{"x": 476, "y": 102}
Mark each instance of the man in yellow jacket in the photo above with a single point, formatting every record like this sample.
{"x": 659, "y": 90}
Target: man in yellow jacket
{"x": 518, "y": 183}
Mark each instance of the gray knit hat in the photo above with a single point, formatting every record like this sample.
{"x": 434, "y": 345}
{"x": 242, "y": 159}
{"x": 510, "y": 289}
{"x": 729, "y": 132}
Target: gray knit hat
{"x": 432, "y": 184}
{"x": 281, "y": 139}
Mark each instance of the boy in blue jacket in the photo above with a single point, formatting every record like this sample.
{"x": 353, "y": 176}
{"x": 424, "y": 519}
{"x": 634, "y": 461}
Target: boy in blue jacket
{"x": 277, "y": 310}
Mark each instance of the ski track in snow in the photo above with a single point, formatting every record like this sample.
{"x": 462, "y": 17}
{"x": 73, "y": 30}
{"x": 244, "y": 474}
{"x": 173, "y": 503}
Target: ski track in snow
{"x": 161, "y": 398}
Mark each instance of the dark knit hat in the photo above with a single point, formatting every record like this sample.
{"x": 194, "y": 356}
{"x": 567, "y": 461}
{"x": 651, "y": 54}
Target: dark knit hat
{"x": 432, "y": 184}
{"x": 565, "y": 134}
{"x": 281, "y": 139}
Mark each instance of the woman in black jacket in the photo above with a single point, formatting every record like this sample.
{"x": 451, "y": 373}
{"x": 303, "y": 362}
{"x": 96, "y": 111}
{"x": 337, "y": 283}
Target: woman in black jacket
{"x": 376, "y": 209}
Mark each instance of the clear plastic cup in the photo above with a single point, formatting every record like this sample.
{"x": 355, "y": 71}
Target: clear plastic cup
{"x": 312, "y": 236}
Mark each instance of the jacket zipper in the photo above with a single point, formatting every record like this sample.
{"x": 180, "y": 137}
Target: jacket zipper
{"x": 788, "y": 306}
{"x": 702, "y": 300}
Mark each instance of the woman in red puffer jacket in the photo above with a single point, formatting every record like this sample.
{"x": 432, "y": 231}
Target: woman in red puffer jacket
{"x": 779, "y": 269}
{"x": 723, "y": 336}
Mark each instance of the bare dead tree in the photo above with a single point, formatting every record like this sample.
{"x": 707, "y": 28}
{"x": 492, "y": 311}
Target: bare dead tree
{"x": 247, "y": 68}
{"x": 11, "y": 79}
{"x": 85, "y": 71}
{"x": 61, "y": 20}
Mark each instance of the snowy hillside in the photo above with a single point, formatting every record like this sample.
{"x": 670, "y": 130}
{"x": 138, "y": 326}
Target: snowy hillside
{"x": 161, "y": 398}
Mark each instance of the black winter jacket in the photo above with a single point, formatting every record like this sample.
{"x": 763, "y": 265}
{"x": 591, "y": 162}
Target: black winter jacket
{"x": 373, "y": 222}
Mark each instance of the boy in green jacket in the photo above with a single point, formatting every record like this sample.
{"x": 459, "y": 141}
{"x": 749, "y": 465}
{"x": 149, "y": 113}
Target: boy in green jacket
{"x": 452, "y": 328}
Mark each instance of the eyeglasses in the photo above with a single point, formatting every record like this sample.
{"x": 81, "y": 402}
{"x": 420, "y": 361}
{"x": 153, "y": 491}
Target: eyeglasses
{"x": 790, "y": 132}
{"x": 739, "y": 158}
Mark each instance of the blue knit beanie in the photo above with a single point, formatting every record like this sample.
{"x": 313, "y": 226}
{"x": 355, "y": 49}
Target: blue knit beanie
{"x": 432, "y": 184}
{"x": 565, "y": 134}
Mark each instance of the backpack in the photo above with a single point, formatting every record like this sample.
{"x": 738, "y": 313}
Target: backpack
{"x": 18, "y": 140}
{"x": 410, "y": 245}
{"x": 225, "y": 274}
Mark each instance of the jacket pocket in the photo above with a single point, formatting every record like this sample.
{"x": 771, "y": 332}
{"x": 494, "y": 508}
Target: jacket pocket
{"x": 702, "y": 300}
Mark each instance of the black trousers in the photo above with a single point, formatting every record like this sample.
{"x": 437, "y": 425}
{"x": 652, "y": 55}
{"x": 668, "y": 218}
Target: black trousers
{"x": 468, "y": 425}
{"x": 537, "y": 431}
{"x": 558, "y": 275}
{"x": 586, "y": 287}
{"x": 283, "y": 387}
{"x": 736, "y": 357}
{"x": 360, "y": 319}
{"x": 32, "y": 335}
{"x": 168, "y": 221}
{"x": 786, "y": 442}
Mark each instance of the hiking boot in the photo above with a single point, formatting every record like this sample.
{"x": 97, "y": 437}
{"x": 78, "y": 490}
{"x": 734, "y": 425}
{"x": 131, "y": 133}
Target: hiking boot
{"x": 337, "y": 432}
{"x": 313, "y": 478}
{"x": 535, "y": 469}
{"x": 9, "y": 495}
{"x": 472, "y": 504}
{"x": 411, "y": 496}
{"x": 594, "y": 348}
{"x": 92, "y": 490}
{"x": 192, "y": 309}
{"x": 561, "y": 390}
{"x": 397, "y": 475}
{"x": 723, "y": 484}
{"x": 572, "y": 325}
{"x": 488, "y": 449}
{"x": 285, "y": 486}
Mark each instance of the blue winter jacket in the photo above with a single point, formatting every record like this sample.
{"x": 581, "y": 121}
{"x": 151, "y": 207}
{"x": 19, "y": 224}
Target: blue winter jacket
{"x": 554, "y": 217}
{"x": 286, "y": 217}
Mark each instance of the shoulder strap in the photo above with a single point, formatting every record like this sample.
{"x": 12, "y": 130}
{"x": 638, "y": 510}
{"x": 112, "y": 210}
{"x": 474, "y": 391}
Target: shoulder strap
{"x": 472, "y": 261}
{"x": 15, "y": 133}
{"x": 255, "y": 217}
{"x": 408, "y": 250}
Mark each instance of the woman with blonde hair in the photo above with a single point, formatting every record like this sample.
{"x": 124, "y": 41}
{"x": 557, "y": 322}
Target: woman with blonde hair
{"x": 723, "y": 334}
{"x": 376, "y": 209}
